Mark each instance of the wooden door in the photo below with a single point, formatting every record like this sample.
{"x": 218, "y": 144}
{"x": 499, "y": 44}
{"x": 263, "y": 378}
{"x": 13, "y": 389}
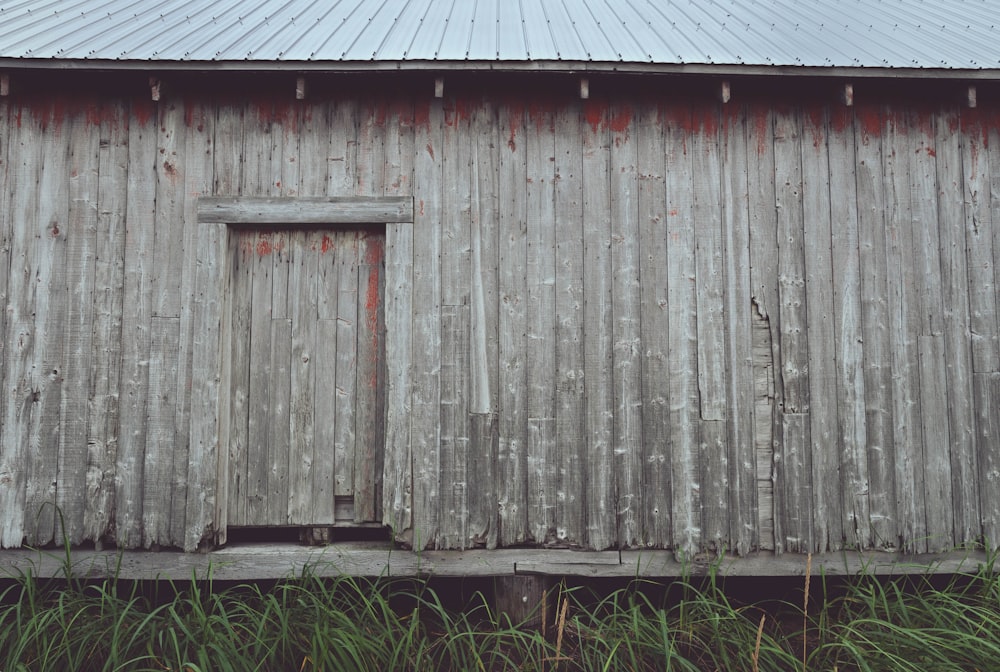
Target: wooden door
{"x": 307, "y": 400}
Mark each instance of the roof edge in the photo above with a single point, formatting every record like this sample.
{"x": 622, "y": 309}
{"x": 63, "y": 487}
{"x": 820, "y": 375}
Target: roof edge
{"x": 565, "y": 67}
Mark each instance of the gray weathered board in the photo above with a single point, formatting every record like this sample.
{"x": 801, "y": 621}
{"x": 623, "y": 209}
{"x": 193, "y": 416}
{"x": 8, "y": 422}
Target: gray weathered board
{"x": 644, "y": 324}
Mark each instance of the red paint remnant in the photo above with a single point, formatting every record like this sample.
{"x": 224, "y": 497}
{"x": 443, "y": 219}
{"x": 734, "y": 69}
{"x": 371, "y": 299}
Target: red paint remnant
{"x": 430, "y": 150}
{"x": 593, "y": 112}
{"x": 379, "y": 113}
{"x": 373, "y": 257}
{"x": 327, "y": 244}
{"x": 620, "y": 119}
{"x": 421, "y": 209}
{"x": 264, "y": 247}
{"x": 188, "y": 114}
{"x": 707, "y": 117}
{"x": 170, "y": 169}
{"x": 673, "y": 212}
{"x": 422, "y": 114}
{"x": 55, "y": 229}
{"x": 930, "y": 151}
{"x": 871, "y": 122}
{"x": 761, "y": 125}
{"x": 18, "y": 117}
{"x": 838, "y": 121}
{"x": 515, "y": 121}
{"x": 543, "y": 114}
{"x": 954, "y": 122}
{"x": 142, "y": 110}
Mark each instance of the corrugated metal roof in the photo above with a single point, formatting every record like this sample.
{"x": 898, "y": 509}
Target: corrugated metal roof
{"x": 950, "y": 34}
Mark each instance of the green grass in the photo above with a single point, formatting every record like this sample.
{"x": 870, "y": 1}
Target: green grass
{"x": 311, "y": 623}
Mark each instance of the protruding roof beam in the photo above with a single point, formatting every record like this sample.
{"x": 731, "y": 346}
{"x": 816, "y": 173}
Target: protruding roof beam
{"x": 439, "y": 87}
{"x": 847, "y": 96}
{"x": 724, "y": 91}
{"x": 584, "y": 88}
{"x": 971, "y": 96}
{"x": 300, "y": 88}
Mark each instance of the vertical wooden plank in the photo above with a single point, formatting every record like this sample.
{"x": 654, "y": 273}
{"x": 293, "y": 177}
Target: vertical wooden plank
{"x": 342, "y": 154}
{"x": 570, "y": 384}
{"x": 304, "y": 314}
{"x": 280, "y": 405}
{"x": 743, "y": 504}
{"x": 670, "y": 415}
{"x": 512, "y": 400}
{"x": 484, "y": 329}
{"x": 598, "y": 328}
{"x": 937, "y": 498}
{"x": 325, "y": 361}
{"x": 345, "y": 438}
{"x": 625, "y": 316}
{"x": 980, "y": 225}
{"x": 50, "y": 312}
{"x": 196, "y": 434}
{"x": 456, "y": 280}
{"x": 136, "y": 322}
{"x": 904, "y": 327}
{"x": 542, "y": 471}
{"x": 927, "y": 230}
{"x": 424, "y": 426}
{"x": 82, "y": 223}
{"x": 370, "y": 397}
{"x": 242, "y": 265}
{"x": 260, "y": 415}
{"x": 397, "y": 472}
{"x": 955, "y": 295}
{"x": 21, "y": 178}
{"x": 826, "y": 445}
{"x": 767, "y": 317}
{"x": 875, "y": 325}
{"x": 161, "y": 410}
{"x": 170, "y": 167}
{"x": 795, "y": 464}
{"x": 987, "y": 393}
{"x": 9, "y": 163}
{"x": 710, "y": 282}
{"x": 106, "y": 339}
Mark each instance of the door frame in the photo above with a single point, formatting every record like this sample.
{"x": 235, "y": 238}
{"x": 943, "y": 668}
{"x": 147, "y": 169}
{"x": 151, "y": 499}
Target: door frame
{"x": 209, "y": 437}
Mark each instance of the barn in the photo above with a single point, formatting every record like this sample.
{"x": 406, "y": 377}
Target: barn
{"x": 504, "y": 280}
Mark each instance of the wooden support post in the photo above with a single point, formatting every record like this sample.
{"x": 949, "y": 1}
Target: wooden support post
{"x": 439, "y": 87}
{"x": 584, "y": 88}
{"x": 300, "y": 88}
{"x": 848, "y": 94}
{"x": 724, "y": 92}
{"x": 155, "y": 88}
{"x": 971, "y": 100}
{"x": 526, "y": 599}
{"x": 4, "y": 84}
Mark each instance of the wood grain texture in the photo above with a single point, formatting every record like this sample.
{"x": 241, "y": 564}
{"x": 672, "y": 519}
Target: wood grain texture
{"x": 598, "y": 329}
{"x": 744, "y": 533}
{"x": 625, "y": 316}
{"x": 484, "y": 326}
{"x": 345, "y": 210}
{"x": 795, "y": 477}
{"x": 569, "y": 375}
{"x": 512, "y": 373}
{"x": 542, "y": 457}
{"x": 424, "y": 429}
{"x": 710, "y": 283}
{"x": 669, "y": 306}
{"x": 820, "y": 232}
{"x": 106, "y": 340}
{"x": 955, "y": 281}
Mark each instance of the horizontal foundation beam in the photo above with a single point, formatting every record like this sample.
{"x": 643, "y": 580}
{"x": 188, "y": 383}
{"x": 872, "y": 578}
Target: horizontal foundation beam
{"x": 267, "y": 561}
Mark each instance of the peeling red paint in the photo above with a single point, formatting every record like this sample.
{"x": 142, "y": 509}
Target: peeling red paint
{"x": 264, "y": 246}
{"x": 421, "y": 209}
{"x": 594, "y": 113}
{"x": 838, "y": 121}
{"x": 516, "y": 123}
{"x": 373, "y": 257}
{"x": 871, "y": 122}
{"x": 543, "y": 116}
{"x": 620, "y": 119}
{"x": 761, "y": 124}
{"x": 430, "y": 150}
{"x": 422, "y": 114}
{"x": 327, "y": 244}
{"x": 707, "y": 118}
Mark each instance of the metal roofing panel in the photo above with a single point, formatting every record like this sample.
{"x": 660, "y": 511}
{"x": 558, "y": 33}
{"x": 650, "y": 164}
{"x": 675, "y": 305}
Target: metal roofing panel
{"x": 959, "y": 34}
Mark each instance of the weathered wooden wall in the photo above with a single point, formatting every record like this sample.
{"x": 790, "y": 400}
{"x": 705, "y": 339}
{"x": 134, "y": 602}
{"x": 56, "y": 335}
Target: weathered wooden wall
{"x": 648, "y": 324}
